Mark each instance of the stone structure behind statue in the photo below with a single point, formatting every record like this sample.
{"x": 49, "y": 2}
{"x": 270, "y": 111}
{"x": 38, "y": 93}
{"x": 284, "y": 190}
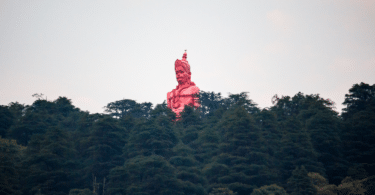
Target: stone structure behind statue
{"x": 186, "y": 92}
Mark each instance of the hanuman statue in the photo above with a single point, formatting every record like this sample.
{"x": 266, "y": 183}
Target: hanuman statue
{"x": 186, "y": 93}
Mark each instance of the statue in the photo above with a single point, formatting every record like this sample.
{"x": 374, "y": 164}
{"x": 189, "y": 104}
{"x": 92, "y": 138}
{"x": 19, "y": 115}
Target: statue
{"x": 186, "y": 93}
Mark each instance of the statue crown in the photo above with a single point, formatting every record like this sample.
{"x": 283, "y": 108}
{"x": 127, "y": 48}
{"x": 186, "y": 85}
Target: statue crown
{"x": 184, "y": 56}
{"x": 183, "y": 63}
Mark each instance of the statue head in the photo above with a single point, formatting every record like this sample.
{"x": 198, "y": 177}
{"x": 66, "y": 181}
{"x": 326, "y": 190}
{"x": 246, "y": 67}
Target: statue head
{"x": 182, "y": 68}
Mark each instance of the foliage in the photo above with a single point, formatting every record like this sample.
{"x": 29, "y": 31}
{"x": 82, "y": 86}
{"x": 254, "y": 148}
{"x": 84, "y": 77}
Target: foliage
{"x": 209, "y": 102}
{"x": 358, "y": 134}
{"x": 6, "y": 120}
{"x": 150, "y": 175}
{"x": 10, "y": 155}
{"x": 269, "y": 190}
{"x": 227, "y": 146}
{"x": 300, "y": 183}
{"x": 317, "y": 180}
{"x": 152, "y": 137}
{"x": 351, "y": 186}
{"x": 85, "y": 191}
{"x": 222, "y": 191}
{"x": 361, "y": 97}
{"x": 50, "y": 160}
{"x": 123, "y": 107}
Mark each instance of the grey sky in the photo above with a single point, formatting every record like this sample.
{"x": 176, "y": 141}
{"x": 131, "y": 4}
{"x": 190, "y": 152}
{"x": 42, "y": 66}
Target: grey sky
{"x": 97, "y": 52}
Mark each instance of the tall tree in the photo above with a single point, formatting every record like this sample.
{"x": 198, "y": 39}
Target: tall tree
{"x": 154, "y": 136}
{"x": 296, "y": 149}
{"x": 35, "y": 119}
{"x": 361, "y": 97}
{"x": 287, "y": 106}
{"x": 6, "y": 120}
{"x": 187, "y": 169}
{"x": 102, "y": 149}
{"x": 123, "y": 107}
{"x": 300, "y": 183}
{"x": 120, "y": 108}
{"x": 324, "y": 131}
{"x": 242, "y": 100}
{"x": 64, "y": 106}
{"x": 51, "y": 161}
{"x": 17, "y": 109}
{"x": 163, "y": 110}
{"x": 269, "y": 190}
{"x": 241, "y": 151}
{"x": 10, "y": 167}
{"x": 358, "y": 134}
{"x": 210, "y": 102}
{"x": 38, "y": 117}
{"x": 151, "y": 175}
{"x": 207, "y": 145}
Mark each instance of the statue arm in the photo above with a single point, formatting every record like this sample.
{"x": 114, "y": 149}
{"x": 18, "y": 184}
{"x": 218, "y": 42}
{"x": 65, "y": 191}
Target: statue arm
{"x": 169, "y": 103}
{"x": 196, "y": 99}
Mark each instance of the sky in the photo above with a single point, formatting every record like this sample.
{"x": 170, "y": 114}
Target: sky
{"x": 97, "y": 52}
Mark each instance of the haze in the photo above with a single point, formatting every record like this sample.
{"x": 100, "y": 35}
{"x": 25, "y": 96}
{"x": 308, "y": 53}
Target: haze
{"x": 97, "y": 52}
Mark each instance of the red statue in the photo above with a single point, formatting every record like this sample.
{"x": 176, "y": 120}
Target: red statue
{"x": 186, "y": 92}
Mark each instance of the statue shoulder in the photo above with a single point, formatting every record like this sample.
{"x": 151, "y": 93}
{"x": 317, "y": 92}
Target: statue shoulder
{"x": 194, "y": 89}
{"x": 191, "y": 90}
{"x": 170, "y": 94}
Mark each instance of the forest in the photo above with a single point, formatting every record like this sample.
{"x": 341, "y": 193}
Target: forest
{"x": 298, "y": 146}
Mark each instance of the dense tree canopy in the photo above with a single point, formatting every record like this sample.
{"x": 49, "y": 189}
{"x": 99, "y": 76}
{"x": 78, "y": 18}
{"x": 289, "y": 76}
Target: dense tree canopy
{"x": 300, "y": 145}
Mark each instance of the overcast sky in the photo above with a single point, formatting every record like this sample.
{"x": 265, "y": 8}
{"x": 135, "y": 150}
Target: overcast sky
{"x": 97, "y": 52}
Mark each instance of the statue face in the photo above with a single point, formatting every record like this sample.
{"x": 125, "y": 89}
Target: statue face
{"x": 181, "y": 75}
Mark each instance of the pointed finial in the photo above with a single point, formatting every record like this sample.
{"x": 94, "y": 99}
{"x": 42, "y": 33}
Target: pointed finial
{"x": 184, "y": 56}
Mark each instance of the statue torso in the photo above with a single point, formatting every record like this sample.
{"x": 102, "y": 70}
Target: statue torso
{"x": 178, "y": 98}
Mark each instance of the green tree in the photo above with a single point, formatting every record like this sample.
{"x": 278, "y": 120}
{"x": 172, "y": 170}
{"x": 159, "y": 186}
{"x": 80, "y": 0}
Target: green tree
{"x": 358, "y": 133}
{"x": 187, "y": 169}
{"x": 35, "y": 119}
{"x": 310, "y": 119}
{"x": 117, "y": 181}
{"x": 300, "y": 183}
{"x": 287, "y": 107}
{"x": 266, "y": 120}
{"x": 214, "y": 170}
{"x": 145, "y": 175}
{"x": 51, "y": 162}
{"x": 154, "y": 136}
{"x": 241, "y": 100}
{"x": 241, "y": 150}
{"x": 207, "y": 145}
{"x": 190, "y": 117}
{"x": 318, "y": 181}
{"x": 64, "y": 106}
{"x": 85, "y": 191}
{"x": 361, "y": 97}
{"x": 6, "y": 120}
{"x": 296, "y": 149}
{"x": 324, "y": 131}
{"x": 102, "y": 149}
{"x": 163, "y": 110}
{"x": 10, "y": 168}
{"x": 269, "y": 190}
{"x": 222, "y": 191}
{"x": 17, "y": 109}
{"x": 120, "y": 108}
{"x": 123, "y": 107}
{"x": 209, "y": 102}
{"x": 352, "y": 186}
